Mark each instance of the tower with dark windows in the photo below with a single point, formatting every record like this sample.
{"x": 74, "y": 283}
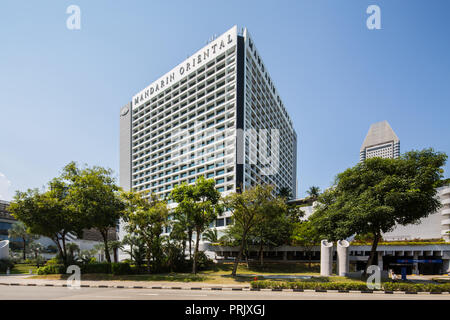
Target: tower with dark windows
{"x": 217, "y": 114}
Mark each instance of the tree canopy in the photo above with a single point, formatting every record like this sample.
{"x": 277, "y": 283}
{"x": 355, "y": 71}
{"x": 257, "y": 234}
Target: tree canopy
{"x": 250, "y": 208}
{"x": 92, "y": 192}
{"x": 146, "y": 218}
{"x": 200, "y": 204}
{"x": 376, "y": 195}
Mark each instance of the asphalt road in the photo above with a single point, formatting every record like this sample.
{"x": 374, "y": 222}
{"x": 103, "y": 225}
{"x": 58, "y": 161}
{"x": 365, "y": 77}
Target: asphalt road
{"x": 59, "y": 293}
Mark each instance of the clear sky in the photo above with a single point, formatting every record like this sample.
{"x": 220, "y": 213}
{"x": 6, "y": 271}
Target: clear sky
{"x": 61, "y": 90}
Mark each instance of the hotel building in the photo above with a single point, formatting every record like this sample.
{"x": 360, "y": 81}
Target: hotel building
{"x": 217, "y": 114}
{"x": 381, "y": 141}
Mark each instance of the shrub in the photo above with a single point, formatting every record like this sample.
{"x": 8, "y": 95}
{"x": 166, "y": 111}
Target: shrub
{"x": 203, "y": 262}
{"x": 51, "y": 269}
{"x": 416, "y": 287}
{"x": 120, "y": 268}
{"x": 387, "y": 286}
{"x": 53, "y": 261}
{"x": 98, "y": 267}
{"x": 5, "y": 264}
{"x": 305, "y": 285}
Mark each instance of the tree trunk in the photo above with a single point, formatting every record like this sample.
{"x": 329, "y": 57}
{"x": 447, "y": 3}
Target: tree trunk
{"x": 58, "y": 245}
{"x": 184, "y": 249}
{"x": 147, "y": 254}
{"x": 246, "y": 259}
{"x": 239, "y": 257}
{"x": 63, "y": 240}
{"x": 261, "y": 254}
{"x": 24, "y": 249}
{"x": 131, "y": 253}
{"x": 194, "y": 265}
{"x": 373, "y": 251}
{"x": 190, "y": 244}
{"x": 105, "y": 241}
{"x": 309, "y": 258}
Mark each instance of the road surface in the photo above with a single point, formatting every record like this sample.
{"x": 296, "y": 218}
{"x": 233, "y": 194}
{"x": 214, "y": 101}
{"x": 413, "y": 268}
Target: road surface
{"x": 59, "y": 293}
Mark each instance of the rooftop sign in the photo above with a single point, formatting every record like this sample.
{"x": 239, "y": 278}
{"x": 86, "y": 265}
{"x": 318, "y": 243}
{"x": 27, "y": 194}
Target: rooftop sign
{"x": 198, "y": 59}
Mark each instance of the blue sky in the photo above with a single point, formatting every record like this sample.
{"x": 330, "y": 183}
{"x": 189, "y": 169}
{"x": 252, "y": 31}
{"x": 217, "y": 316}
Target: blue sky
{"x": 61, "y": 90}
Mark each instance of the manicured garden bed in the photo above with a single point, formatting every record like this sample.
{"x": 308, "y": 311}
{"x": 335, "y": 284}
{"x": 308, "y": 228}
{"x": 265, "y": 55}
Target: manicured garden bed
{"x": 350, "y": 285}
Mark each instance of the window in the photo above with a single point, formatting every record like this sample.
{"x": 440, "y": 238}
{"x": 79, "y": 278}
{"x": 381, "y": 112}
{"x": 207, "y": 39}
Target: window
{"x": 220, "y": 223}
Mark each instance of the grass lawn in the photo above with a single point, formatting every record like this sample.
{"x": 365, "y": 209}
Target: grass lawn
{"x": 217, "y": 274}
{"x": 23, "y": 268}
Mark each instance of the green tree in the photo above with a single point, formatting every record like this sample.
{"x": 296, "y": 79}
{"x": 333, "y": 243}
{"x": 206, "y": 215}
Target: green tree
{"x": 274, "y": 229}
{"x": 48, "y": 214}
{"x": 174, "y": 247}
{"x": 183, "y": 228}
{"x": 306, "y": 235}
{"x": 211, "y": 235}
{"x": 313, "y": 192}
{"x": 93, "y": 193}
{"x": 20, "y": 231}
{"x": 200, "y": 203}
{"x": 376, "y": 195}
{"x": 146, "y": 219}
{"x": 249, "y": 208}
{"x": 36, "y": 248}
{"x": 285, "y": 192}
{"x": 137, "y": 248}
{"x": 115, "y": 246}
{"x": 73, "y": 252}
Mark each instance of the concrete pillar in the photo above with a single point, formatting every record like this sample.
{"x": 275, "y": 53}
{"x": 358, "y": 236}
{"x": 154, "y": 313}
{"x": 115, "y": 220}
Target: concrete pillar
{"x": 342, "y": 258}
{"x": 415, "y": 269}
{"x": 326, "y": 258}
{"x": 380, "y": 260}
{"x": 446, "y": 265}
{"x": 284, "y": 255}
{"x": 4, "y": 249}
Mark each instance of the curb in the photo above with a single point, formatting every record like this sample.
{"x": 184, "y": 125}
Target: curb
{"x": 224, "y": 289}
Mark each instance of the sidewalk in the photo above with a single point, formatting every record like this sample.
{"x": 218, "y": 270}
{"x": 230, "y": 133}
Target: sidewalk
{"x": 25, "y": 280}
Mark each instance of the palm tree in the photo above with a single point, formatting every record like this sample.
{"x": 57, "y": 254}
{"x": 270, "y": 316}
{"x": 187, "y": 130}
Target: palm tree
{"x": 114, "y": 246}
{"x": 72, "y": 250}
{"x": 210, "y": 235}
{"x": 19, "y": 230}
{"x": 285, "y": 192}
{"x": 313, "y": 192}
{"x": 137, "y": 248}
{"x": 36, "y": 248}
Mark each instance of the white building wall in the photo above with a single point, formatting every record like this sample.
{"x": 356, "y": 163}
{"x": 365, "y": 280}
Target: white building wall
{"x": 434, "y": 226}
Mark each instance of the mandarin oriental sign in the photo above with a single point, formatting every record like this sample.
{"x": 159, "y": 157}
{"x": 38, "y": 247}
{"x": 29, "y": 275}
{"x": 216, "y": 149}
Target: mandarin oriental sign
{"x": 200, "y": 58}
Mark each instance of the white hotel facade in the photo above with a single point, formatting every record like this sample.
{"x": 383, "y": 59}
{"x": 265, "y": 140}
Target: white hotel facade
{"x": 217, "y": 114}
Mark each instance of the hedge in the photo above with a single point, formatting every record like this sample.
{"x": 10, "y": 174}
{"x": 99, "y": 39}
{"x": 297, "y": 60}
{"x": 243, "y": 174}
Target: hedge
{"x": 387, "y": 286}
{"x": 96, "y": 267}
{"x": 416, "y": 287}
{"x": 104, "y": 267}
{"x": 121, "y": 268}
{"x": 309, "y": 285}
